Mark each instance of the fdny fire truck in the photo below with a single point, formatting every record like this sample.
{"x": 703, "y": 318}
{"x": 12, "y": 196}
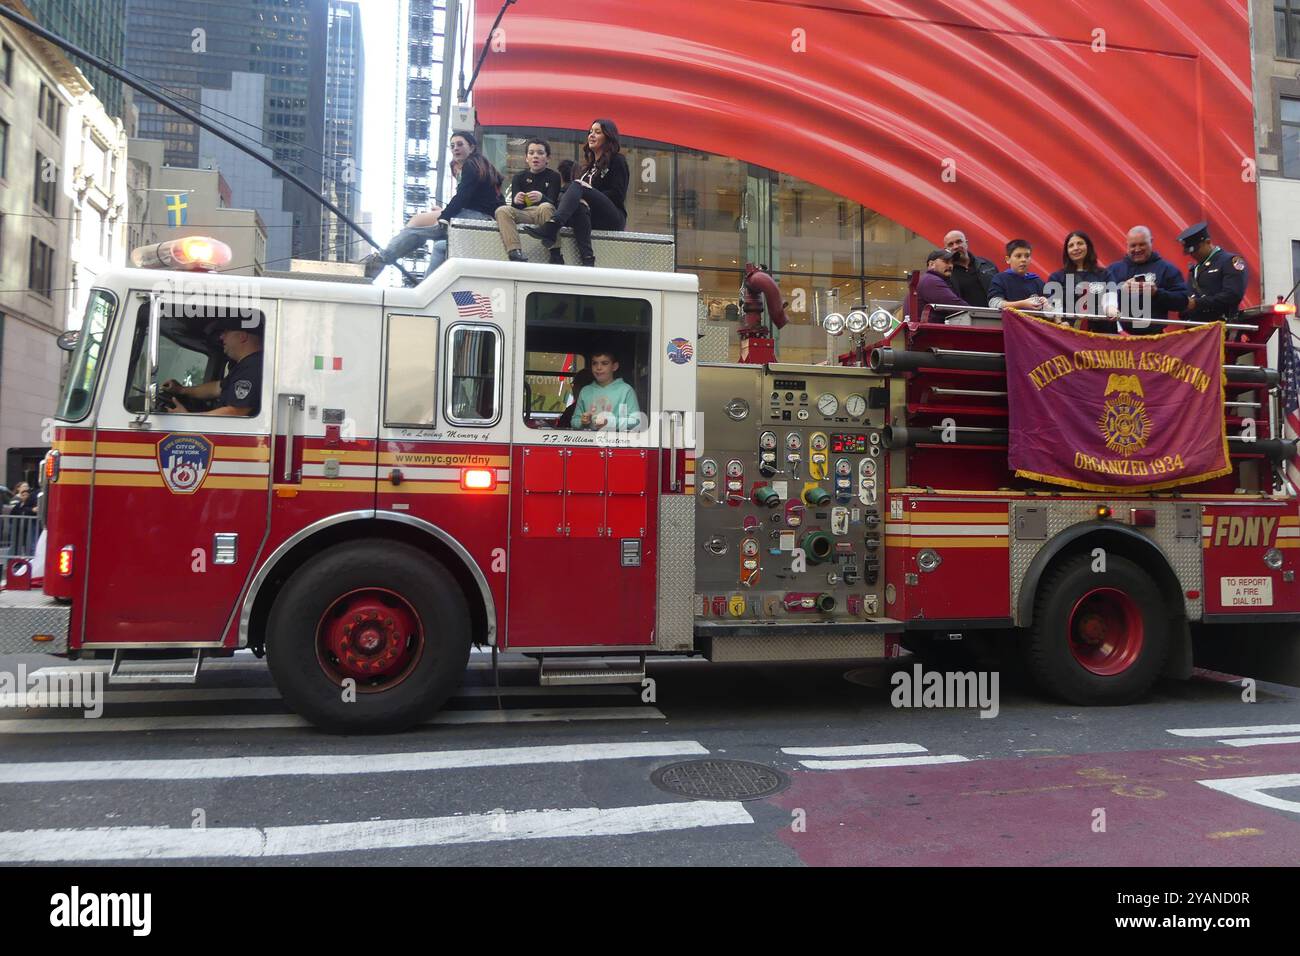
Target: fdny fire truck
{"x": 406, "y": 489}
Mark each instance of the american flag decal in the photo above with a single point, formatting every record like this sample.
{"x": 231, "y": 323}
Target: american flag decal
{"x": 471, "y": 305}
{"x": 680, "y": 351}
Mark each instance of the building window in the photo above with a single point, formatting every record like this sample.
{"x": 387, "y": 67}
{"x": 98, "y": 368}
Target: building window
{"x": 1291, "y": 137}
{"x": 1286, "y": 25}
{"x": 40, "y": 274}
{"x": 7, "y": 64}
{"x": 46, "y": 180}
{"x": 4, "y": 149}
{"x": 50, "y": 110}
{"x": 411, "y": 387}
{"x": 473, "y": 397}
{"x": 1295, "y": 263}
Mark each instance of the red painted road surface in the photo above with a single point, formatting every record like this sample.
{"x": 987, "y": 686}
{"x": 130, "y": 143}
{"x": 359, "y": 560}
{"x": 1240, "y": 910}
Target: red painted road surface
{"x": 1039, "y": 811}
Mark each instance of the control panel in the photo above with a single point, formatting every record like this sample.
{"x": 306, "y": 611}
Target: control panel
{"x": 790, "y": 476}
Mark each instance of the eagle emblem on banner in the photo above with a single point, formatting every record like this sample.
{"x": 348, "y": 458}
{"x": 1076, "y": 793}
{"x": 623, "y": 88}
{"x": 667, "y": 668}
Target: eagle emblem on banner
{"x": 1124, "y": 422}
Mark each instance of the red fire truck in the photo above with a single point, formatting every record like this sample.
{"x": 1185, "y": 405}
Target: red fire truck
{"x": 404, "y": 491}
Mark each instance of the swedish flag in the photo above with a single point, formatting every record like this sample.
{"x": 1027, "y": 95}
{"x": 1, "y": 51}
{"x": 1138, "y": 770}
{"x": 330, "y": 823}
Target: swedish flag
{"x": 177, "y": 205}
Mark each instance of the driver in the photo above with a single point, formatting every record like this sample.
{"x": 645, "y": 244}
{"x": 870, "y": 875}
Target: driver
{"x": 239, "y": 393}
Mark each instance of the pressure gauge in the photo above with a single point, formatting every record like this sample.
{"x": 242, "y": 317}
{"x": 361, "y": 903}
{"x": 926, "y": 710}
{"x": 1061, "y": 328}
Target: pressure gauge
{"x": 868, "y": 468}
{"x": 827, "y": 404}
{"x": 708, "y": 468}
{"x": 855, "y": 406}
{"x": 735, "y": 469}
{"x": 767, "y": 441}
{"x": 749, "y": 547}
{"x": 818, "y": 442}
{"x": 793, "y": 441}
{"x": 843, "y": 467}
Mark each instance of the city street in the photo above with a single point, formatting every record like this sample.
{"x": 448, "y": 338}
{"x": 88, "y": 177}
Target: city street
{"x": 222, "y": 772}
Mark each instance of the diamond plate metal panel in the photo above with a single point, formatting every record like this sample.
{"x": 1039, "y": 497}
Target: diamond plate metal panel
{"x": 714, "y": 342}
{"x": 1184, "y": 554}
{"x": 642, "y": 251}
{"x": 676, "y": 615}
{"x": 24, "y": 613}
{"x": 827, "y": 647}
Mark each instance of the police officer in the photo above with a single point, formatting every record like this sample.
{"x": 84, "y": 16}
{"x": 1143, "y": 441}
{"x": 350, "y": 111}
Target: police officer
{"x": 1217, "y": 279}
{"x": 240, "y": 392}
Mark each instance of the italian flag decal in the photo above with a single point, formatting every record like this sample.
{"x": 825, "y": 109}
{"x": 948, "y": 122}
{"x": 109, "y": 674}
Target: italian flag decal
{"x": 329, "y": 363}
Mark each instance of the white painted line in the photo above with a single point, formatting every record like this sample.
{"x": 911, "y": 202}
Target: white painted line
{"x": 1260, "y": 741}
{"x": 881, "y": 762}
{"x": 188, "y": 695}
{"x": 859, "y": 750}
{"x": 158, "y": 843}
{"x": 205, "y": 694}
{"x": 1235, "y": 731}
{"x": 220, "y": 768}
{"x": 1252, "y": 789}
{"x": 66, "y": 725}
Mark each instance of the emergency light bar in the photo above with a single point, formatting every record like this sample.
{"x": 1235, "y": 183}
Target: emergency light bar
{"x": 199, "y": 253}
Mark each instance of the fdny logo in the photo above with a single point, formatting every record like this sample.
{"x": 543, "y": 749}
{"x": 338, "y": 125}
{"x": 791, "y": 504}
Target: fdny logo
{"x": 1124, "y": 422}
{"x": 680, "y": 351}
{"x": 184, "y": 461}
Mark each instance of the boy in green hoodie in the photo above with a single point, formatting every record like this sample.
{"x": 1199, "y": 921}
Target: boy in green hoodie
{"x": 607, "y": 404}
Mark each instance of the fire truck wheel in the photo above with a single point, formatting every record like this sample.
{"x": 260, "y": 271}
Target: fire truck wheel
{"x": 368, "y": 637}
{"x": 1099, "y": 637}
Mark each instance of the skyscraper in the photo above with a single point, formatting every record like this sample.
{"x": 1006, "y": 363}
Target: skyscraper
{"x": 98, "y": 27}
{"x": 344, "y": 69}
{"x": 188, "y": 46}
{"x": 421, "y": 45}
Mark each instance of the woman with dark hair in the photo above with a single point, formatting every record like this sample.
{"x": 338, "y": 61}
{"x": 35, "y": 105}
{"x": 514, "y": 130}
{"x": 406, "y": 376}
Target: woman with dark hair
{"x": 594, "y": 200}
{"x": 1080, "y": 284}
{"x": 478, "y": 194}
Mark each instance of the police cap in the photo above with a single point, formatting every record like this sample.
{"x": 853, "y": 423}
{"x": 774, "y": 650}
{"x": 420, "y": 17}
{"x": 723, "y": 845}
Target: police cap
{"x": 233, "y": 323}
{"x": 1194, "y": 235}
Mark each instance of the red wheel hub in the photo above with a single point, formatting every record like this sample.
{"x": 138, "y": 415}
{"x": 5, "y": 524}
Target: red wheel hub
{"x": 371, "y": 635}
{"x": 1105, "y": 631}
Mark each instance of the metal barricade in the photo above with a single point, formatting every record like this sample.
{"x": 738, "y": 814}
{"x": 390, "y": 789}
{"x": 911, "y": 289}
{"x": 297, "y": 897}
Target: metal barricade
{"x": 18, "y": 536}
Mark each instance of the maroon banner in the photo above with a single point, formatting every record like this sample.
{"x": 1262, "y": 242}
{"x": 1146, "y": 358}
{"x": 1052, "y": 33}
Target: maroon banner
{"x": 1114, "y": 412}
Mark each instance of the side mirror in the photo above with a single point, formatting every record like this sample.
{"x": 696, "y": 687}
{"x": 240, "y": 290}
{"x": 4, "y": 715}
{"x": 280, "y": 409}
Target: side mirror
{"x": 68, "y": 340}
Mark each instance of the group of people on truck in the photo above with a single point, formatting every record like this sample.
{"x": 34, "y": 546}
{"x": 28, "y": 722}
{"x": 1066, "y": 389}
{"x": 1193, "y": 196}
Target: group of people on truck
{"x": 1127, "y": 294}
{"x": 542, "y": 200}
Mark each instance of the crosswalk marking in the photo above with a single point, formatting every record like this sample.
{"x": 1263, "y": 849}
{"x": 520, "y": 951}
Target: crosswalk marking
{"x": 224, "y": 768}
{"x": 868, "y": 756}
{"x": 857, "y": 750}
{"x": 204, "y": 694}
{"x": 881, "y": 762}
{"x": 64, "y": 725}
{"x": 1260, "y": 741}
{"x": 157, "y": 843}
{"x": 1235, "y": 731}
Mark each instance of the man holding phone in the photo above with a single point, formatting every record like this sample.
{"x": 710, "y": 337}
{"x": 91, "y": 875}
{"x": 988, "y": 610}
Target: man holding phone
{"x": 1149, "y": 287}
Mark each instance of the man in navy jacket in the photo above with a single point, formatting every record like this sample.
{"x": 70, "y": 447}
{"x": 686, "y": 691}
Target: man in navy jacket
{"x": 1149, "y": 287}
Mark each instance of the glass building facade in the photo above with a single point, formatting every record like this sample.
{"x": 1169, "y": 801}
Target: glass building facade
{"x": 97, "y": 26}
{"x": 829, "y": 254}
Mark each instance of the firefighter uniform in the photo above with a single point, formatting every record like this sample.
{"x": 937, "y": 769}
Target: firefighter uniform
{"x": 242, "y": 386}
{"x": 1217, "y": 280}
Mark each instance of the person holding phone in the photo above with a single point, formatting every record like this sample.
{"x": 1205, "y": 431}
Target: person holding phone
{"x": 1149, "y": 287}
{"x": 595, "y": 199}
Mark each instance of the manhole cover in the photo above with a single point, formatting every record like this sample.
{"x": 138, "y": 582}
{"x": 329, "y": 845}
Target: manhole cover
{"x": 719, "y": 779}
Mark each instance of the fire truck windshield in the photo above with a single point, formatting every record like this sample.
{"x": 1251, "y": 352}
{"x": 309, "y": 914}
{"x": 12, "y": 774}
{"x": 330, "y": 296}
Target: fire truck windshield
{"x": 86, "y": 361}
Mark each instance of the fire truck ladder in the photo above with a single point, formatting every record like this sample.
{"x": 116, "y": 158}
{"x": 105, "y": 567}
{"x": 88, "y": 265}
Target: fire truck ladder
{"x": 151, "y": 671}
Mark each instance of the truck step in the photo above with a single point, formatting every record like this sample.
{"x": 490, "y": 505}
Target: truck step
{"x": 149, "y": 672}
{"x": 570, "y": 672}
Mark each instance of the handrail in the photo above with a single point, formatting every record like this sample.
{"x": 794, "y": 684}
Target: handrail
{"x": 988, "y": 312}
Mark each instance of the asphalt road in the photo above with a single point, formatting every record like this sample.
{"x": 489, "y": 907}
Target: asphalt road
{"x": 221, "y": 771}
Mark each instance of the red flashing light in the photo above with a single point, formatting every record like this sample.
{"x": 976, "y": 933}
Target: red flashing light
{"x": 52, "y": 467}
{"x": 478, "y": 479}
{"x": 65, "y": 561}
{"x": 1103, "y": 511}
{"x": 1284, "y": 308}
